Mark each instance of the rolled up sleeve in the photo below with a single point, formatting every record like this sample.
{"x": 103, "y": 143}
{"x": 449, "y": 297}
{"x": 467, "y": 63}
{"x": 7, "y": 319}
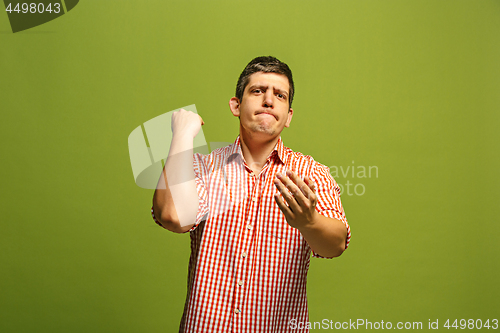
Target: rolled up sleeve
{"x": 200, "y": 174}
{"x": 328, "y": 195}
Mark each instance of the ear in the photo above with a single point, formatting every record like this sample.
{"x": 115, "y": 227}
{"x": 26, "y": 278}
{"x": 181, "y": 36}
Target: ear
{"x": 234, "y": 105}
{"x": 289, "y": 119}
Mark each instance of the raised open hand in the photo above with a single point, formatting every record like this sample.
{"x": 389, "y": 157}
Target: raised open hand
{"x": 300, "y": 197}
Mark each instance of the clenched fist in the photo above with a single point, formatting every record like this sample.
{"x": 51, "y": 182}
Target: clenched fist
{"x": 186, "y": 123}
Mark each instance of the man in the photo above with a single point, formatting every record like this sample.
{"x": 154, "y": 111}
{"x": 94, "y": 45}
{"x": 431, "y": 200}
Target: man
{"x": 255, "y": 211}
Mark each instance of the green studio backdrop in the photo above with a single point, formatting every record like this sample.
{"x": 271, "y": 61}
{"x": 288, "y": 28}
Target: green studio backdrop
{"x": 406, "y": 90}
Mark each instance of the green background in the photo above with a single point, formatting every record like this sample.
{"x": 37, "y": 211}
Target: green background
{"x": 411, "y": 87}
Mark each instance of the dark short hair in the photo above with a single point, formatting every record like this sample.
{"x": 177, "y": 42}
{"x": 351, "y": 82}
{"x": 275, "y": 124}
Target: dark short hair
{"x": 267, "y": 65}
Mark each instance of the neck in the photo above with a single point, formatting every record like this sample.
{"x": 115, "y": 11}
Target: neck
{"x": 256, "y": 149}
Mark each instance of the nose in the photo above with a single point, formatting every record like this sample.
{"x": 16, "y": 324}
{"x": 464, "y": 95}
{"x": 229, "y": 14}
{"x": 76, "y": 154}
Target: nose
{"x": 268, "y": 99}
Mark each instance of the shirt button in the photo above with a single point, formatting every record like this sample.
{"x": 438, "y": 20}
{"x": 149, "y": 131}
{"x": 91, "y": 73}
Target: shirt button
{"x": 237, "y": 311}
{"x": 249, "y": 226}
{"x": 240, "y": 282}
{"x": 254, "y": 199}
{"x": 244, "y": 254}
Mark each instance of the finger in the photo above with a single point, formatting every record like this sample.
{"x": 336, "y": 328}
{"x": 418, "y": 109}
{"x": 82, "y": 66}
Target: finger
{"x": 289, "y": 198}
{"x": 290, "y": 181}
{"x": 307, "y": 197}
{"x": 310, "y": 190}
{"x": 201, "y": 120}
{"x": 296, "y": 179}
{"x": 283, "y": 207}
{"x": 305, "y": 192}
{"x": 310, "y": 183}
{"x": 296, "y": 193}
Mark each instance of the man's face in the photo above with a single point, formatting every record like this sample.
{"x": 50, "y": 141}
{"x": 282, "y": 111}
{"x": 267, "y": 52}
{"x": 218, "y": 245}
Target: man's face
{"x": 264, "y": 108}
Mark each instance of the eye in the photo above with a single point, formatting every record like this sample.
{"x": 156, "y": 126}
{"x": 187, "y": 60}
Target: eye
{"x": 281, "y": 96}
{"x": 257, "y": 91}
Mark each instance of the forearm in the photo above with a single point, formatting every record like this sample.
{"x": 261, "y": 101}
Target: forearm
{"x": 326, "y": 236}
{"x": 175, "y": 202}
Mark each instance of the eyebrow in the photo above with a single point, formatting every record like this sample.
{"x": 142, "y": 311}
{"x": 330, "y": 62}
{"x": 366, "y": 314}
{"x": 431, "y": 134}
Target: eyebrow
{"x": 261, "y": 86}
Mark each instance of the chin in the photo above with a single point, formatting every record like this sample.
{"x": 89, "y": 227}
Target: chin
{"x": 264, "y": 130}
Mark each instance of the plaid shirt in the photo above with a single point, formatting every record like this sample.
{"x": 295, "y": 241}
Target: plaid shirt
{"x": 248, "y": 267}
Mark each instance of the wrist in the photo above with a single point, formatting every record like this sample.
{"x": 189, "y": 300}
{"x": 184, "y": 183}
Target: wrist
{"x": 182, "y": 135}
{"x": 311, "y": 224}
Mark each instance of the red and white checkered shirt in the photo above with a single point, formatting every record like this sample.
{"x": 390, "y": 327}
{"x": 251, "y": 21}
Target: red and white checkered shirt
{"x": 248, "y": 267}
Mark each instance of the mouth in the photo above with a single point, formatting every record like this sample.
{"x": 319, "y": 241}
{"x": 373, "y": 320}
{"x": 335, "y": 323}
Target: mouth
{"x": 265, "y": 113}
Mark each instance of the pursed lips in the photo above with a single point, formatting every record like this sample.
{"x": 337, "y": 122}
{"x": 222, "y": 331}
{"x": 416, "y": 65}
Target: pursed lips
{"x": 269, "y": 113}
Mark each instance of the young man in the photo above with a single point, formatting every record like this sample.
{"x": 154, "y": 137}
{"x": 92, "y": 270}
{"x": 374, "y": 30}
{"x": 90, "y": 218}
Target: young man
{"x": 255, "y": 210}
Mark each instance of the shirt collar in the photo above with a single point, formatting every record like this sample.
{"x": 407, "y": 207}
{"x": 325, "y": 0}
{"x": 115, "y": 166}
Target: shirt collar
{"x": 278, "y": 150}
